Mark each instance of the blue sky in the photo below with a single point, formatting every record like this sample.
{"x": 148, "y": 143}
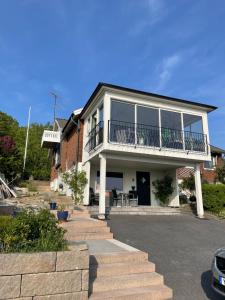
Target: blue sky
{"x": 174, "y": 48}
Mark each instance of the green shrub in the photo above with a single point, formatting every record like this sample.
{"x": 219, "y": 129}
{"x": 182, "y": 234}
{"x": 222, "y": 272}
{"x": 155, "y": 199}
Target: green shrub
{"x": 23, "y": 184}
{"x": 163, "y": 188}
{"x": 213, "y": 197}
{"x": 31, "y": 232}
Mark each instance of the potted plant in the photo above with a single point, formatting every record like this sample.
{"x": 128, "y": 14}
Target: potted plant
{"x": 62, "y": 214}
{"x": 52, "y": 205}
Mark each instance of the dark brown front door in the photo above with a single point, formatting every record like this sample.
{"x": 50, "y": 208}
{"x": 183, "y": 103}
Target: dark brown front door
{"x": 143, "y": 188}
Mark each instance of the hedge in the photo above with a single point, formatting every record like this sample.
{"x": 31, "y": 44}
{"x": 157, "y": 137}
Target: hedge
{"x": 213, "y": 197}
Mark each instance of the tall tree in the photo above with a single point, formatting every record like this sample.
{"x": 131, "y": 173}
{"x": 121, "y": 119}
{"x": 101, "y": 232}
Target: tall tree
{"x": 12, "y": 144}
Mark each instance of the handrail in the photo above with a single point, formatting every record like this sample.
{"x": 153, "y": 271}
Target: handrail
{"x": 155, "y": 136}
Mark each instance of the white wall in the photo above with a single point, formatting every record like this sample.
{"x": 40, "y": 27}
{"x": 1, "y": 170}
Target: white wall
{"x": 129, "y": 179}
{"x": 150, "y": 102}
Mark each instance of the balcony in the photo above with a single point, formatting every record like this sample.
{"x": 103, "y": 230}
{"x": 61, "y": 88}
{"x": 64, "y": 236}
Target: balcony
{"x": 95, "y": 137}
{"x": 50, "y": 139}
{"x": 156, "y": 137}
{"x": 125, "y": 133}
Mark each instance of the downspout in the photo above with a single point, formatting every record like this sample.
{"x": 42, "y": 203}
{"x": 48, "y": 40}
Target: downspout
{"x": 78, "y": 139}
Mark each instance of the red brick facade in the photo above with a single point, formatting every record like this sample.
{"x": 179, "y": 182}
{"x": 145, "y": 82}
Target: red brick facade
{"x": 208, "y": 175}
{"x": 70, "y": 151}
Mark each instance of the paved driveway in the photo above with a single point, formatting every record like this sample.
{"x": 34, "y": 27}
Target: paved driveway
{"x": 182, "y": 248}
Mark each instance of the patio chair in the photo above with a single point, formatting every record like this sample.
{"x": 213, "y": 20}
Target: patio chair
{"x": 115, "y": 197}
{"x": 133, "y": 198}
{"x": 93, "y": 198}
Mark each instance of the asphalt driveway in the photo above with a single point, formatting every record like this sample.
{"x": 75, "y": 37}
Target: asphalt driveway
{"x": 181, "y": 246}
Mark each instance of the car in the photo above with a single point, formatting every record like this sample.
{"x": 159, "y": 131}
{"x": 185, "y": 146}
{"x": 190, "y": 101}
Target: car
{"x": 218, "y": 271}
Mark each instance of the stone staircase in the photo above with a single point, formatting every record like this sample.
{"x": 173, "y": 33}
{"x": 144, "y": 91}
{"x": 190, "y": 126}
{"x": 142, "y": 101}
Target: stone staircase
{"x": 126, "y": 276}
{"x": 84, "y": 228}
{"x": 117, "y": 271}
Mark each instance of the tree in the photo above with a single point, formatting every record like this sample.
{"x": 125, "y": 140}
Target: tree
{"x": 77, "y": 181}
{"x": 188, "y": 183}
{"x": 12, "y": 144}
{"x": 10, "y": 156}
{"x": 220, "y": 172}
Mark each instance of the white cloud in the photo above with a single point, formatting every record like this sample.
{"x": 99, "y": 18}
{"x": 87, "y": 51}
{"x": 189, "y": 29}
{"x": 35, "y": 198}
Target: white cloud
{"x": 166, "y": 69}
{"x": 155, "y": 10}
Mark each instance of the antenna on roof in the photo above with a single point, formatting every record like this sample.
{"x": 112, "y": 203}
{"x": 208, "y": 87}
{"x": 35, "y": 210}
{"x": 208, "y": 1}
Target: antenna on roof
{"x": 55, "y": 96}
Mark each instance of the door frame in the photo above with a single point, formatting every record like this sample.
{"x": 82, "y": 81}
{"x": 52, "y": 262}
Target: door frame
{"x": 149, "y": 191}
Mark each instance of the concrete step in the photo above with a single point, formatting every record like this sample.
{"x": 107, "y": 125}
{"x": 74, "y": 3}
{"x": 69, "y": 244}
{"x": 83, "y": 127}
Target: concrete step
{"x": 88, "y": 236}
{"x": 84, "y": 223}
{"x": 137, "y": 211}
{"x": 122, "y": 257}
{"x": 99, "y": 229}
{"x": 126, "y": 281}
{"x": 154, "y": 292}
{"x": 120, "y": 269}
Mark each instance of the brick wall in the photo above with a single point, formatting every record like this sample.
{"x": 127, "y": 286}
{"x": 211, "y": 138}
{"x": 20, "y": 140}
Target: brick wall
{"x": 210, "y": 175}
{"x": 207, "y": 174}
{"x": 69, "y": 148}
{"x": 68, "y": 151}
{"x": 45, "y": 275}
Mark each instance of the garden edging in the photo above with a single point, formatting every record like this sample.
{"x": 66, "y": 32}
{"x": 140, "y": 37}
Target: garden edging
{"x": 45, "y": 275}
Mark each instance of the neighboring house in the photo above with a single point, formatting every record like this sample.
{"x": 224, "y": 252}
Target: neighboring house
{"x": 208, "y": 168}
{"x": 51, "y": 139}
{"x": 126, "y": 139}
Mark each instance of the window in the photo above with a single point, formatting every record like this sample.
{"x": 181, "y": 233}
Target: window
{"x": 193, "y": 132}
{"x": 101, "y": 114}
{"x": 147, "y": 126}
{"x": 121, "y": 111}
{"x": 192, "y": 123}
{"x": 122, "y": 127}
{"x": 171, "y": 130}
{"x": 210, "y": 164}
{"x": 114, "y": 180}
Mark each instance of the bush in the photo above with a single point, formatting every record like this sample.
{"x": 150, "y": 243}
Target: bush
{"x": 31, "y": 232}
{"x": 163, "y": 188}
{"x": 77, "y": 181}
{"x": 213, "y": 197}
{"x": 183, "y": 199}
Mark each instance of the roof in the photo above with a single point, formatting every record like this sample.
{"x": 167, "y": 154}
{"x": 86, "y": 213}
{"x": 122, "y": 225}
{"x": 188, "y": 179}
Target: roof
{"x": 61, "y": 122}
{"x": 216, "y": 149}
{"x": 140, "y": 92}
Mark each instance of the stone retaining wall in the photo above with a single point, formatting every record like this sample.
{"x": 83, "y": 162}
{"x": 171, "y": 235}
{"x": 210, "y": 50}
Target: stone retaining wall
{"x": 45, "y": 275}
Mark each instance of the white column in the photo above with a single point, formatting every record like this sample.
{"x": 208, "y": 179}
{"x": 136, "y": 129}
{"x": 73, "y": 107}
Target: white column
{"x": 87, "y": 168}
{"x": 102, "y": 186}
{"x": 198, "y": 190}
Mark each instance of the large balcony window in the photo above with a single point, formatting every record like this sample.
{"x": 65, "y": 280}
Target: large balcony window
{"x": 171, "y": 130}
{"x": 123, "y": 120}
{"x": 147, "y": 126}
{"x": 140, "y": 125}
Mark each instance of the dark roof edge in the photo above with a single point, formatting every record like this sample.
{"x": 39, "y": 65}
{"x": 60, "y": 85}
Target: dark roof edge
{"x": 216, "y": 149}
{"x": 121, "y": 88}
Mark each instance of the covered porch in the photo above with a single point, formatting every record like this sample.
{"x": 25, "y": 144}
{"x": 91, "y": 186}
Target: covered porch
{"x": 118, "y": 180}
